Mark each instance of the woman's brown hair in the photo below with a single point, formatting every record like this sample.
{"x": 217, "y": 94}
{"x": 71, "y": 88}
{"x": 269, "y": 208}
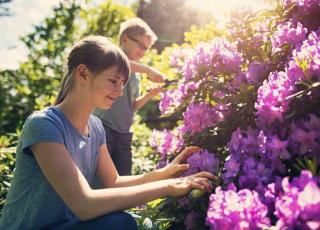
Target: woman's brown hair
{"x": 98, "y": 54}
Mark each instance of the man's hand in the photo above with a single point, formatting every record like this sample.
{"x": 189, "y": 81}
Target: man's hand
{"x": 154, "y": 91}
{"x": 154, "y": 75}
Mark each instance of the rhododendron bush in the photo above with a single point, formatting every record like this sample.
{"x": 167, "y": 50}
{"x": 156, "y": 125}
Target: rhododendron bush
{"x": 251, "y": 100}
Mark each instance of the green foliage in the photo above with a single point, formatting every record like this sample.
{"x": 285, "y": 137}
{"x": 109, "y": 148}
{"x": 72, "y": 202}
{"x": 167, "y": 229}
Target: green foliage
{"x": 105, "y": 20}
{"x": 7, "y": 160}
{"x": 34, "y": 85}
{"x": 144, "y": 159}
{"x": 149, "y": 216}
{"x": 39, "y": 77}
{"x": 13, "y": 96}
{"x": 202, "y": 34}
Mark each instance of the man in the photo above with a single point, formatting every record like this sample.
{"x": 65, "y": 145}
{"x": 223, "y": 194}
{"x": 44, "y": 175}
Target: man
{"x": 135, "y": 37}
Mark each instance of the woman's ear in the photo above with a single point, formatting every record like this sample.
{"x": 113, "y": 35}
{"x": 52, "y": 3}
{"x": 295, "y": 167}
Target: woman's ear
{"x": 82, "y": 73}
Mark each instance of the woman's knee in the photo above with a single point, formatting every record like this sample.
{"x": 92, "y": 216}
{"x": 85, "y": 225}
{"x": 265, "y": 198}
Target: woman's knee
{"x": 114, "y": 221}
{"x": 123, "y": 220}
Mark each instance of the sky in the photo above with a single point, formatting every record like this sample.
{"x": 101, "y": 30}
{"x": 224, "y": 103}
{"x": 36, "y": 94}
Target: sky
{"x": 27, "y": 13}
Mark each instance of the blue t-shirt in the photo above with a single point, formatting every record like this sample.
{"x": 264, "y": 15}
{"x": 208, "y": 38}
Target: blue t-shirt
{"x": 31, "y": 202}
{"x": 120, "y": 116}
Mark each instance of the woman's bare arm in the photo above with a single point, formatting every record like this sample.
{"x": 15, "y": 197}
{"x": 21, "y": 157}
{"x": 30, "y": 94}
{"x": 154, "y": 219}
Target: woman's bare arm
{"x": 68, "y": 181}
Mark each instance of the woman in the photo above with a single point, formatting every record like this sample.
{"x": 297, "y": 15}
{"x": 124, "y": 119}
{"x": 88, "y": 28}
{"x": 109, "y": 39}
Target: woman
{"x": 62, "y": 149}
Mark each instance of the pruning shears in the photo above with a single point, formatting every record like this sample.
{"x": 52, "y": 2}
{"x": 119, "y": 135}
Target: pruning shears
{"x": 170, "y": 82}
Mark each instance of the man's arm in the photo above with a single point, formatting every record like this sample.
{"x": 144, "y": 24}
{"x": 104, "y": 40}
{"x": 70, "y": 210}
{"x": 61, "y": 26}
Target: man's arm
{"x": 142, "y": 100}
{"x": 153, "y": 74}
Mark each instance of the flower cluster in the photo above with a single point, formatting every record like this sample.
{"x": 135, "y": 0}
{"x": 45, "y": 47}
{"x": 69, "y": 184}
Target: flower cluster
{"x": 191, "y": 220}
{"x": 202, "y": 161}
{"x": 256, "y": 72}
{"x": 170, "y": 99}
{"x": 305, "y": 136}
{"x": 272, "y": 100}
{"x": 197, "y": 117}
{"x": 217, "y": 56}
{"x": 237, "y": 82}
{"x": 274, "y": 95}
{"x": 298, "y": 206}
{"x": 302, "y": 8}
{"x": 178, "y": 56}
{"x": 165, "y": 142}
{"x": 255, "y": 157}
{"x": 288, "y": 33}
{"x": 236, "y": 210}
{"x": 306, "y": 59}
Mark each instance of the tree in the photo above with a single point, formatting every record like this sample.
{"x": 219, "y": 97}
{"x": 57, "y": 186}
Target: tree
{"x": 171, "y": 19}
{"x": 34, "y": 85}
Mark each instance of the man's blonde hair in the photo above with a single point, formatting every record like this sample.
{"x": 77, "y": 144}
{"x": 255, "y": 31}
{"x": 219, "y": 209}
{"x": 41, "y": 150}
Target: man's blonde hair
{"x": 136, "y": 26}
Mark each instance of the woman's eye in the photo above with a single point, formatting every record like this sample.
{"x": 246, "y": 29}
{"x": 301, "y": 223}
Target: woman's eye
{"x": 113, "y": 81}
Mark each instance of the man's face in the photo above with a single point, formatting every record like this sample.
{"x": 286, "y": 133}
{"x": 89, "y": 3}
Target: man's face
{"x": 135, "y": 46}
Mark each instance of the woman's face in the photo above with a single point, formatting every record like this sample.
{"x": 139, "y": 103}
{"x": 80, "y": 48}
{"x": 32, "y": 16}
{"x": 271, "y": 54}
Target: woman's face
{"x": 106, "y": 87}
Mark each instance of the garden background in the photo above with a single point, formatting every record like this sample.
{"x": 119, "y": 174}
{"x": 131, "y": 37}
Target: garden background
{"x": 247, "y": 94}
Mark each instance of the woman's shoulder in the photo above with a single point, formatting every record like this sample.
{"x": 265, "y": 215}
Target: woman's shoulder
{"x": 44, "y": 117}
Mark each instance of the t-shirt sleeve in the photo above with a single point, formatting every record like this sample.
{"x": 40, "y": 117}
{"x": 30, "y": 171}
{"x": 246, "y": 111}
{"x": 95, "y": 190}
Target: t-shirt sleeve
{"x": 39, "y": 129}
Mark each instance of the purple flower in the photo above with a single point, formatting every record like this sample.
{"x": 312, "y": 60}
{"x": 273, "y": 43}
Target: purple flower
{"x": 256, "y": 72}
{"x": 305, "y": 137}
{"x": 288, "y": 33}
{"x": 271, "y": 103}
{"x": 279, "y": 148}
{"x": 307, "y": 57}
{"x": 188, "y": 87}
{"x": 218, "y": 56}
{"x": 302, "y": 7}
{"x": 178, "y": 56}
{"x": 298, "y": 207}
{"x": 236, "y": 210}
{"x": 200, "y": 116}
{"x": 255, "y": 157}
{"x": 202, "y": 161}
{"x": 165, "y": 142}
{"x": 170, "y": 99}
{"x": 231, "y": 168}
{"x": 191, "y": 220}
{"x": 237, "y": 81}
{"x": 183, "y": 202}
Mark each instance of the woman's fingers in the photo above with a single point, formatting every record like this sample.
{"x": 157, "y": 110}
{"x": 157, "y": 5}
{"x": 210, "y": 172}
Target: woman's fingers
{"x": 186, "y": 153}
{"x": 182, "y": 167}
{"x": 206, "y": 175}
{"x": 206, "y": 184}
{"x": 196, "y": 185}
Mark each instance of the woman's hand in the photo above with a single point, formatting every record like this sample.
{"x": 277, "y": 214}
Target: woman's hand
{"x": 181, "y": 186}
{"x": 176, "y": 167}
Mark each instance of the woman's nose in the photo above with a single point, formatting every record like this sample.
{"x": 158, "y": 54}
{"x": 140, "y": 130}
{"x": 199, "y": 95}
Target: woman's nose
{"x": 119, "y": 90}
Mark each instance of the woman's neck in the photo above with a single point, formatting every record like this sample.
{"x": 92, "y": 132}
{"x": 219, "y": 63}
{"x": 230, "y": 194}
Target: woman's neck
{"x": 77, "y": 113}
